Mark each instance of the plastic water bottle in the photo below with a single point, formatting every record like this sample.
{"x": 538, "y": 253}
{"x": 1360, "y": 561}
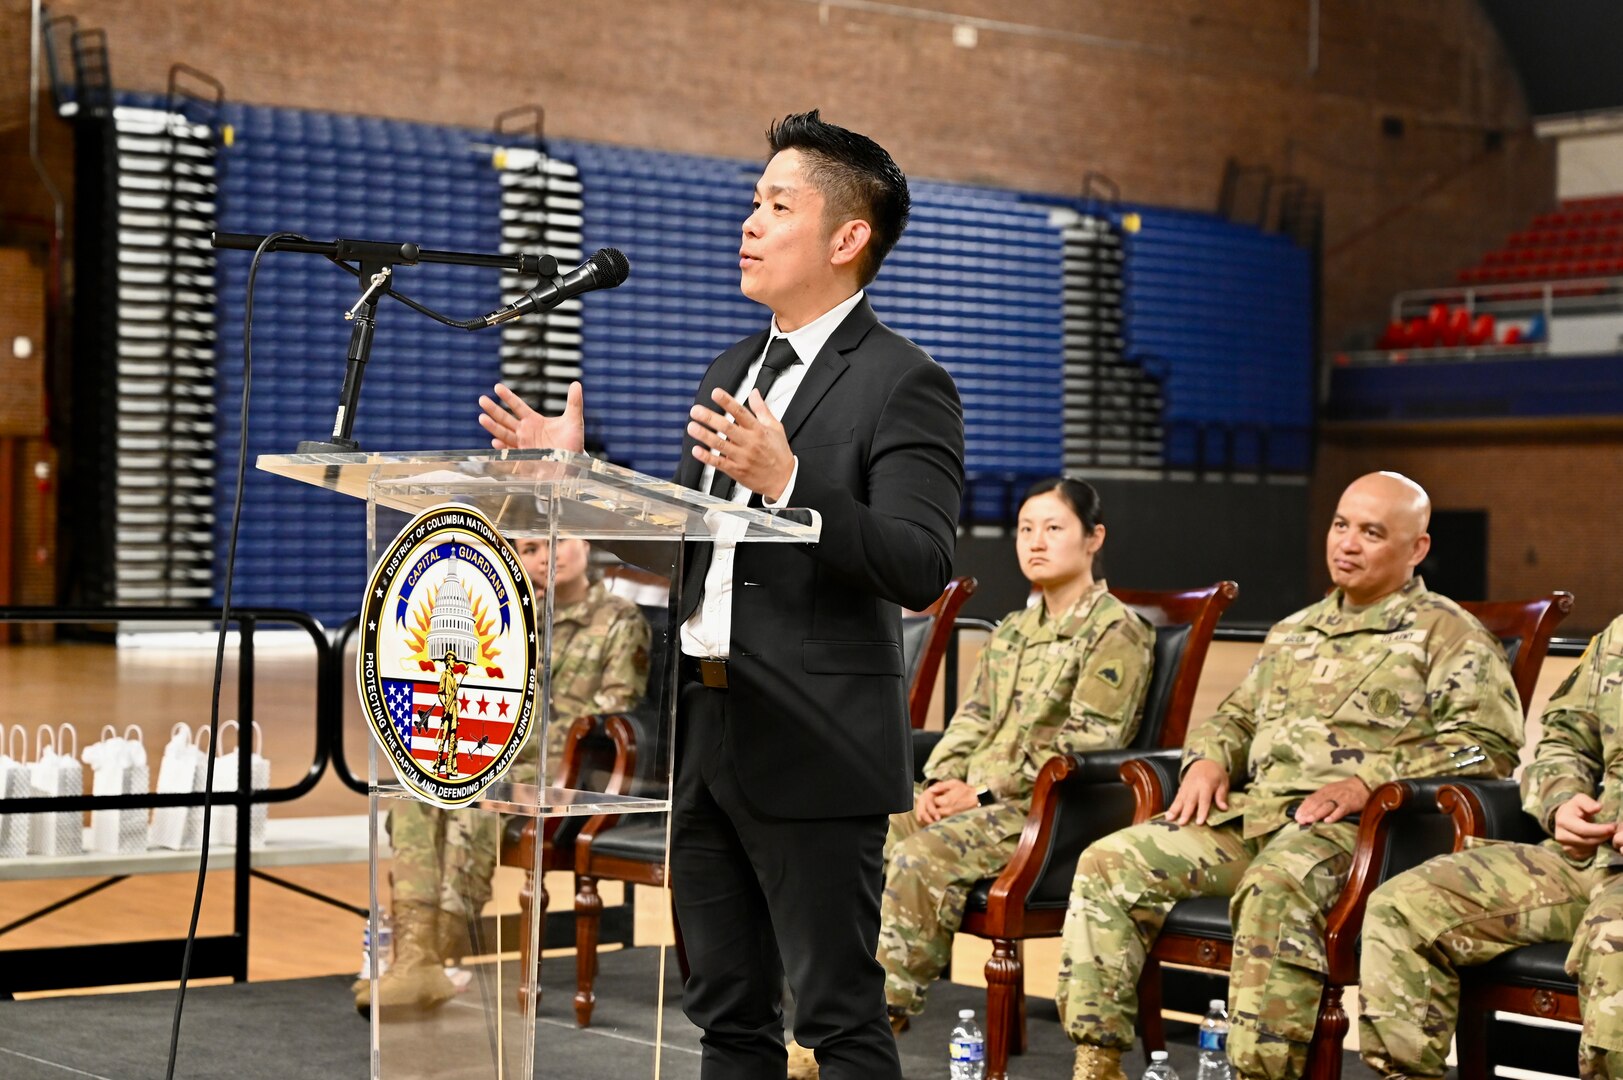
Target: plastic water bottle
{"x": 1214, "y": 1043}
{"x": 968, "y": 1051}
{"x": 385, "y": 945}
{"x": 1160, "y": 1068}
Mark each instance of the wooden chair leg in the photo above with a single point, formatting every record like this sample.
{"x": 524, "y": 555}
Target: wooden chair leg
{"x": 1150, "y": 1027}
{"x": 1003, "y": 974}
{"x": 1471, "y": 1036}
{"x": 1017, "y": 1044}
{"x": 1329, "y": 1032}
{"x": 588, "y": 914}
{"x": 529, "y": 962}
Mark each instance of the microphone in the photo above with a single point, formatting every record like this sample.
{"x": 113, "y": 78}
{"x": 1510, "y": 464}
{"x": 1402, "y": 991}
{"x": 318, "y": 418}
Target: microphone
{"x": 604, "y": 270}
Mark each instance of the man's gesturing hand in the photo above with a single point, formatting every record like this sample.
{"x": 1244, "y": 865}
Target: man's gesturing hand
{"x": 1333, "y": 802}
{"x": 513, "y": 425}
{"x": 1205, "y": 785}
{"x": 748, "y": 445}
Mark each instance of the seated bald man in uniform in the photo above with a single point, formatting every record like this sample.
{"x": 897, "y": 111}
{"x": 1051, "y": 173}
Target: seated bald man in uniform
{"x": 1381, "y": 680}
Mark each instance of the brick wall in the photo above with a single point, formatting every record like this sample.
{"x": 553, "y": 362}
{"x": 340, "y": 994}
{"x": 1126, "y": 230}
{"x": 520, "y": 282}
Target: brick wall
{"x": 1551, "y": 493}
{"x": 22, "y": 344}
{"x": 1156, "y": 95}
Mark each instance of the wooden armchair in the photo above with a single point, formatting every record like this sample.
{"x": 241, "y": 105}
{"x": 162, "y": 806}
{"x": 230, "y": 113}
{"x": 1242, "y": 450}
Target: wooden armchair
{"x": 1524, "y": 628}
{"x": 633, "y": 850}
{"x": 1400, "y": 828}
{"x": 1076, "y": 801}
{"x": 1529, "y": 981}
{"x": 594, "y": 760}
{"x": 925, "y": 637}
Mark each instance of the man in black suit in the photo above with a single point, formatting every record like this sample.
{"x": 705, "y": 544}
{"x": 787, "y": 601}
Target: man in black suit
{"x": 792, "y": 734}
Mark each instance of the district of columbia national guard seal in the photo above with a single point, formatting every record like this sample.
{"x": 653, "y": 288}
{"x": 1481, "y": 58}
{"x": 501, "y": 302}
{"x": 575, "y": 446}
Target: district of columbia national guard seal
{"x": 447, "y": 665}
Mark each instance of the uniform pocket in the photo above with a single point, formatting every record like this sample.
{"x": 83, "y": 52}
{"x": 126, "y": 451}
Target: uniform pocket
{"x": 1389, "y": 696}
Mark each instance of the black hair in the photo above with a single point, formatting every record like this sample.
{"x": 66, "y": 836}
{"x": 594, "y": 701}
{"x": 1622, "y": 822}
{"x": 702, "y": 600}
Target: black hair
{"x": 1079, "y": 495}
{"x": 856, "y": 176}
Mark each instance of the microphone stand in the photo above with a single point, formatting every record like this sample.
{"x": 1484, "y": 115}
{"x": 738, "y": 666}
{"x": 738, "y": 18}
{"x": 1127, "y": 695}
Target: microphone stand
{"x": 377, "y": 261}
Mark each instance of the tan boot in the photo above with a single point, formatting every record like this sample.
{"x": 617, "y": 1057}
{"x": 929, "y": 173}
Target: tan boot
{"x": 455, "y": 941}
{"x": 1097, "y": 1063}
{"x": 416, "y": 981}
{"x": 802, "y": 1062}
{"x": 899, "y": 1020}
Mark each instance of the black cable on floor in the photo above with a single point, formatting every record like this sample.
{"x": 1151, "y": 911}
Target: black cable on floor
{"x": 219, "y": 645}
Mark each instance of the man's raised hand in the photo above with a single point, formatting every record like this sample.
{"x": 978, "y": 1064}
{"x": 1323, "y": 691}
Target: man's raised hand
{"x": 513, "y": 425}
{"x": 748, "y": 445}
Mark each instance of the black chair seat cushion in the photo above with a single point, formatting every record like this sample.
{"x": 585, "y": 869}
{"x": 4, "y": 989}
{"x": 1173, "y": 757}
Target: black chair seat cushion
{"x": 1531, "y": 965}
{"x": 640, "y": 838}
{"x": 982, "y": 892}
{"x": 1204, "y": 916}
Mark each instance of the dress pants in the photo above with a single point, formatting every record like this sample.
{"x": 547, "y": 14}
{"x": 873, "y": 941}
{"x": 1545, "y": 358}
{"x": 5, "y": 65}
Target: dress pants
{"x": 761, "y": 899}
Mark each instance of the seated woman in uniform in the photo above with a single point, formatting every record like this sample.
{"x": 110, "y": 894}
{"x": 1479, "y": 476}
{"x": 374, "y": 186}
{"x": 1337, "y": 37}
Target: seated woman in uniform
{"x": 445, "y": 860}
{"x": 1067, "y": 673}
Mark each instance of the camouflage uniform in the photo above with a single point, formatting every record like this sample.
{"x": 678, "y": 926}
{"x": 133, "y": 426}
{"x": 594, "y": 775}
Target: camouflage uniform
{"x": 1468, "y": 908}
{"x": 1408, "y": 686}
{"x": 1041, "y": 687}
{"x": 446, "y": 858}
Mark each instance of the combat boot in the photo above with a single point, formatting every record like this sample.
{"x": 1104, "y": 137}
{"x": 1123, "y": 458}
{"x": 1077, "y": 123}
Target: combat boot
{"x": 455, "y": 940}
{"x": 1097, "y": 1063}
{"x": 899, "y": 1020}
{"x": 416, "y": 981}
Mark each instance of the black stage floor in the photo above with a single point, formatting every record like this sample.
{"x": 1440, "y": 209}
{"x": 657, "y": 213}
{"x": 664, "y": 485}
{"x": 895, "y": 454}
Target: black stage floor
{"x": 309, "y": 1028}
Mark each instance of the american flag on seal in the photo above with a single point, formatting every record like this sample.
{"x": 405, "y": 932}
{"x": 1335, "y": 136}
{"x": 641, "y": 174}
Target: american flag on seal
{"x": 488, "y": 714}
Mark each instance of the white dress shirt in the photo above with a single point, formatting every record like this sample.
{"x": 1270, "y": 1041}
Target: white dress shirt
{"x": 709, "y": 630}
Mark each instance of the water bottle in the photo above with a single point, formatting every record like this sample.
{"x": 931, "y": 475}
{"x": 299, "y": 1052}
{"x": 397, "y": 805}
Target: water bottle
{"x": 1214, "y": 1040}
{"x": 968, "y": 1050}
{"x": 385, "y": 945}
{"x": 1160, "y": 1068}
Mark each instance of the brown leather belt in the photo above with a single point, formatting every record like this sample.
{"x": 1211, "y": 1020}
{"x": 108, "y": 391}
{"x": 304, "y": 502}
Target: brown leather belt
{"x": 703, "y": 669}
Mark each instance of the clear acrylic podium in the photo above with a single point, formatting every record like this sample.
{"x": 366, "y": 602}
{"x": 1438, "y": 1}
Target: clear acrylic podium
{"x": 498, "y": 1026}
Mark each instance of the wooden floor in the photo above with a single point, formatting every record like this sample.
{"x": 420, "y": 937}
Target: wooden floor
{"x": 152, "y": 688}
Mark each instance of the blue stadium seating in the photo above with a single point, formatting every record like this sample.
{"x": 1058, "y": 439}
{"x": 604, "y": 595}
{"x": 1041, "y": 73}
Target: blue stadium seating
{"x": 1221, "y": 311}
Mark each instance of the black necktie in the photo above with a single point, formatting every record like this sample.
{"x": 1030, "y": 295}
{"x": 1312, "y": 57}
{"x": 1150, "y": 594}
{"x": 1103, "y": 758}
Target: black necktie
{"x": 780, "y": 356}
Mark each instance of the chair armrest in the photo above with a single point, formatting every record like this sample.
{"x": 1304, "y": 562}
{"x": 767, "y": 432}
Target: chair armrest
{"x": 1375, "y": 859}
{"x": 924, "y": 743}
{"x": 1074, "y": 803}
{"x": 624, "y": 736}
{"x": 1153, "y": 777}
{"x": 1489, "y": 809}
{"x": 1104, "y": 766}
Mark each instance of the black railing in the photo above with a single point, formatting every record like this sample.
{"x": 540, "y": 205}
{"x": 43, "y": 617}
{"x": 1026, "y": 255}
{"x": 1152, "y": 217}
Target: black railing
{"x": 223, "y": 955}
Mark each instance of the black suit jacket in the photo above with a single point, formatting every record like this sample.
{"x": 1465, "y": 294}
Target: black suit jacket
{"x": 817, "y": 705}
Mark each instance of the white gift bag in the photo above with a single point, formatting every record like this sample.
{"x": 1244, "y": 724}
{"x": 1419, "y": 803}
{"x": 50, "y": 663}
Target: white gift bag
{"x": 223, "y": 829}
{"x": 179, "y": 773}
{"x": 119, "y": 767}
{"x": 55, "y": 771}
{"x": 14, "y": 785}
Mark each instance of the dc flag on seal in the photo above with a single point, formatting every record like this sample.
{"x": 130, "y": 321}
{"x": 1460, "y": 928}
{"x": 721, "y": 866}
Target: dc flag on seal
{"x": 486, "y": 718}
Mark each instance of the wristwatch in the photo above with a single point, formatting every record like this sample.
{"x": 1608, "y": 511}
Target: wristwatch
{"x": 984, "y": 796}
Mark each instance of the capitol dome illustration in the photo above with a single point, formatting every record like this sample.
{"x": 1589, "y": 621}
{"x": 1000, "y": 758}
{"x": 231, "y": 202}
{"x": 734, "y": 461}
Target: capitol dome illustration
{"x": 450, "y": 624}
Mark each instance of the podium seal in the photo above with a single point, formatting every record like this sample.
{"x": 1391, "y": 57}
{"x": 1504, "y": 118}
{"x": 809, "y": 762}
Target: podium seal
{"x": 447, "y": 661}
